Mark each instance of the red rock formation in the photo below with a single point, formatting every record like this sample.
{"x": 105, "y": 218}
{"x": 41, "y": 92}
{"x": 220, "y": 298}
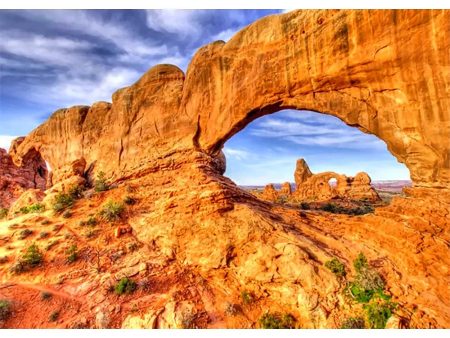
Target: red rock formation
{"x": 318, "y": 187}
{"x": 381, "y": 71}
{"x": 14, "y": 180}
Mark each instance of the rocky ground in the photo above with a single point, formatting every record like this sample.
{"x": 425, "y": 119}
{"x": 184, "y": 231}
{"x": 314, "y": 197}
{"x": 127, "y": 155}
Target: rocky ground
{"x": 228, "y": 261}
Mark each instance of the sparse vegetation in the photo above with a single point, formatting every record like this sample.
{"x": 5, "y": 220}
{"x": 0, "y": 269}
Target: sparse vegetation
{"x": 34, "y": 208}
{"x": 247, "y": 297}
{"x": 125, "y": 285}
{"x": 25, "y": 233}
{"x": 101, "y": 184}
{"x": 92, "y": 221}
{"x": 45, "y": 295}
{"x": 33, "y": 256}
{"x": 5, "y": 309}
{"x": 53, "y": 316}
{"x": 360, "y": 262}
{"x": 72, "y": 253}
{"x": 62, "y": 201}
{"x": 304, "y": 206}
{"x": 67, "y": 214}
{"x": 232, "y": 309}
{"x": 188, "y": 319}
{"x": 379, "y": 313}
{"x": 43, "y": 234}
{"x": 3, "y": 213}
{"x": 112, "y": 211}
{"x": 51, "y": 244}
{"x": 277, "y": 321}
{"x": 76, "y": 191}
{"x": 45, "y": 222}
{"x": 133, "y": 246}
{"x": 128, "y": 200}
{"x": 337, "y": 209}
{"x": 336, "y": 267}
{"x": 354, "y": 323}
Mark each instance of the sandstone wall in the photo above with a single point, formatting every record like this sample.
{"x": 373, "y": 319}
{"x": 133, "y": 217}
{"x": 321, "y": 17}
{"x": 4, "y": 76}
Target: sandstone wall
{"x": 385, "y": 72}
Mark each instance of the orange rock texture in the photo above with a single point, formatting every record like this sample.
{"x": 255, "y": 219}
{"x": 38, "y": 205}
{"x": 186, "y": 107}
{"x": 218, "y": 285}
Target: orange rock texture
{"x": 199, "y": 241}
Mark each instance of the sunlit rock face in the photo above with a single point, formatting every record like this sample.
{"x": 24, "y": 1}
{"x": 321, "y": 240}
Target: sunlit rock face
{"x": 14, "y": 180}
{"x": 332, "y": 61}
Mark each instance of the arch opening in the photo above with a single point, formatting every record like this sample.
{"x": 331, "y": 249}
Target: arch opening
{"x": 325, "y": 157}
{"x": 38, "y": 169}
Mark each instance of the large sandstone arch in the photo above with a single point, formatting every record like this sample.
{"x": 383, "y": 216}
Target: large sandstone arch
{"x": 385, "y": 72}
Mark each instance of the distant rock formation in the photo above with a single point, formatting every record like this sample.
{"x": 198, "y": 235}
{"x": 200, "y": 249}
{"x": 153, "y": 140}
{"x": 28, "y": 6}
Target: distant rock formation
{"x": 319, "y": 187}
{"x": 14, "y": 180}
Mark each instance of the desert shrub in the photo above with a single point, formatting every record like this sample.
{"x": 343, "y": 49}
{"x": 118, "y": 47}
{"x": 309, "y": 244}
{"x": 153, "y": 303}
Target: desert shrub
{"x": 133, "y": 246}
{"x": 336, "y": 267}
{"x": 76, "y": 191}
{"x": 45, "y": 295}
{"x": 25, "y": 233}
{"x": 112, "y": 211}
{"x": 37, "y": 207}
{"x": 370, "y": 279}
{"x": 32, "y": 257}
{"x": 3, "y": 213}
{"x": 232, "y": 309}
{"x": 366, "y": 209}
{"x": 62, "y": 201}
{"x": 53, "y": 316}
{"x": 67, "y": 214}
{"x": 247, "y": 297}
{"x": 90, "y": 233}
{"x": 379, "y": 313}
{"x": 43, "y": 234}
{"x": 5, "y": 309}
{"x": 360, "y": 262}
{"x": 72, "y": 253}
{"x": 101, "y": 184}
{"x": 353, "y": 323}
{"x": 125, "y": 285}
{"x": 3, "y": 259}
{"x": 45, "y": 222}
{"x": 305, "y": 206}
{"x": 330, "y": 207}
{"x": 188, "y": 318}
{"x": 92, "y": 221}
{"x": 277, "y": 321}
{"x": 51, "y": 244}
{"x": 129, "y": 200}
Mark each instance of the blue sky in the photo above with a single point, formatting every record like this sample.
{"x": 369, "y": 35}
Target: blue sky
{"x": 51, "y": 59}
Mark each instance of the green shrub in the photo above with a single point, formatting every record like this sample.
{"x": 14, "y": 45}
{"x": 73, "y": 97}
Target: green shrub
{"x": 76, "y": 191}
{"x": 330, "y": 207}
{"x": 32, "y": 257}
{"x": 277, "y": 321}
{"x": 67, "y": 214}
{"x": 360, "y": 262}
{"x": 72, "y": 253}
{"x": 25, "y": 233}
{"x": 62, "y": 201}
{"x": 354, "y": 323}
{"x": 336, "y": 267}
{"x": 45, "y": 295}
{"x": 92, "y": 221}
{"x": 37, "y": 207}
{"x": 305, "y": 206}
{"x": 3, "y": 213}
{"x": 5, "y": 309}
{"x": 370, "y": 279}
{"x": 112, "y": 211}
{"x": 53, "y": 316}
{"x": 379, "y": 313}
{"x": 125, "y": 285}
{"x": 247, "y": 297}
{"x": 100, "y": 183}
{"x": 129, "y": 200}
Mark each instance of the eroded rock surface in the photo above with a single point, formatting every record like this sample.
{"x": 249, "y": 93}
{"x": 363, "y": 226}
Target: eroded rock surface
{"x": 14, "y": 180}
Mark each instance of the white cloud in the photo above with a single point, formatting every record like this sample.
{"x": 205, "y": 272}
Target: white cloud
{"x": 224, "y": 35}
{"x": 5, "y": 141}
{"x": 184, "y": 23}
{"x": 318, "y": 131}
{"x": 238, "y": 154}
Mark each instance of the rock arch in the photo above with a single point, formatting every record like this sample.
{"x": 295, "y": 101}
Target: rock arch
{"x": 382, "y": 71}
